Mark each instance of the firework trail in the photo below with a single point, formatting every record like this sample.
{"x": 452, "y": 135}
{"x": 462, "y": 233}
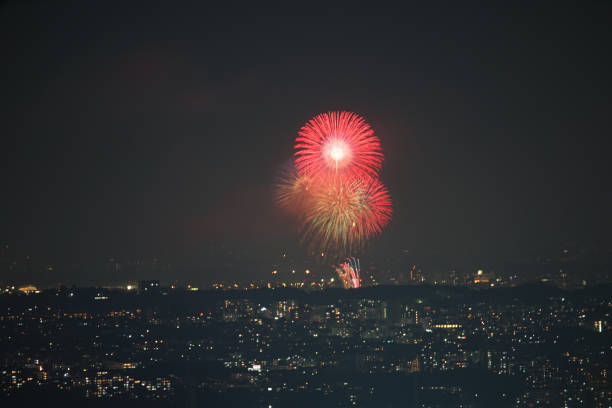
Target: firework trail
{"x": 344, "y": 276}
{"x": 352, "y": 268}
{"x": 348, "y": 273}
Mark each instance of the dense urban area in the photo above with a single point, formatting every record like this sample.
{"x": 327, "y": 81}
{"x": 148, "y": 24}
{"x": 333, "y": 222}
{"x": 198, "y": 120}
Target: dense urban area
{"x": 533, "y": 345}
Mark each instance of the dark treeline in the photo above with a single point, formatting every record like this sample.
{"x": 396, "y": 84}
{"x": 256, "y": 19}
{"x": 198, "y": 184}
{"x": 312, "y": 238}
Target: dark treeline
{"x": 77, "y": 298}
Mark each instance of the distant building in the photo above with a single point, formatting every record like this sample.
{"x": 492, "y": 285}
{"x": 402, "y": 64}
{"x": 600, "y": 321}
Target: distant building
{"x": 414, "y": 366}
{"x": 483, "y": 278}
{"x": 28, "y": 289}
{"x": 416, "y": 275}
{"x": 149, "y": 287}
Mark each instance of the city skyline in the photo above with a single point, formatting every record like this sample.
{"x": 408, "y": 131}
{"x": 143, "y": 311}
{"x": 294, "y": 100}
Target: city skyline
{"x": 570, "y": 267}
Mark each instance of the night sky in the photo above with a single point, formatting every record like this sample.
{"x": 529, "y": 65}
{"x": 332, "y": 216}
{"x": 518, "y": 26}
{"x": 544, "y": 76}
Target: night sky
{"x": 147, "y": 130}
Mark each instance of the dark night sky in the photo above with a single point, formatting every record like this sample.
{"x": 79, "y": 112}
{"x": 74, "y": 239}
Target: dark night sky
{"x": 154, "y": 130}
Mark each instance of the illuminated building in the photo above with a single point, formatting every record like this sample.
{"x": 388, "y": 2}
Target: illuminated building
{"x": 149, "y": 287}
{"x": 28, "y": 289}
{"x": 416, "y": 275}
{"x": 483, "y": 278}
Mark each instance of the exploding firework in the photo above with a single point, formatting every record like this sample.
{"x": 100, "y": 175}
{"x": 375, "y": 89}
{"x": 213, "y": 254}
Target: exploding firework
{"x": 348, "y": 273}
{"x": 344, "y": 277}
{"x": 343, "y": 215}
{"x": 333, "y": 188}
{"x": 293, "y": 191}
{"x": 353, "y": 267}
{"x": 340, "y": 144}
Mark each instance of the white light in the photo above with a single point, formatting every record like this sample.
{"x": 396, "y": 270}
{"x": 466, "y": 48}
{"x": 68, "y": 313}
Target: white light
{"x": 337, "y": 152}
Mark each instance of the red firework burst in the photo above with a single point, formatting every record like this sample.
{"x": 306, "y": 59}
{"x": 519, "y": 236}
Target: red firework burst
{"x": 338, "y": 143}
